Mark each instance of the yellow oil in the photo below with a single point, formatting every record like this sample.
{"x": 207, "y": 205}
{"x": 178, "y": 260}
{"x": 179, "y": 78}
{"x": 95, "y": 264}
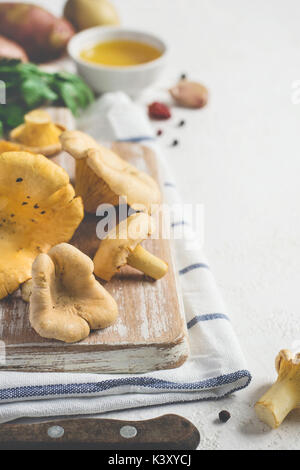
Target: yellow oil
{"x": 120, "y": 53}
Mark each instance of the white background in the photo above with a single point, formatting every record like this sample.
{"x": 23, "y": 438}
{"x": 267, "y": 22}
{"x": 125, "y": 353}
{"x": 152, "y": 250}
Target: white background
{"x": 240, "y": 156}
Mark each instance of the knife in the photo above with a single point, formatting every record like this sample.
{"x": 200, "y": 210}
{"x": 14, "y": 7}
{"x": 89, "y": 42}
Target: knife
{"x": 165, "y": 432}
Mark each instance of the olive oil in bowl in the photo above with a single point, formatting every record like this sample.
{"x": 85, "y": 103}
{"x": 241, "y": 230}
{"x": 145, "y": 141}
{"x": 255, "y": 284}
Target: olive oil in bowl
{"x": 111, "y": 58}
{"x": 120, "y": 53}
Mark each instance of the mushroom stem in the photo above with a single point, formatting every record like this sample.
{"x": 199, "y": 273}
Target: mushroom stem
{"x": 37, "y": 122}
{"x": 37, "y": 118}
{"x": 276, "y": 403}
{"x": 149, "y": 264}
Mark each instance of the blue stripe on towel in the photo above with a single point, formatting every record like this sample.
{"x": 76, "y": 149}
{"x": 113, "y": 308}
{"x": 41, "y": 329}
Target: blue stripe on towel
{"x": 180, "y": 222}
{"x": 191, "y": 267}
{"x": 208, "y": 317}
{"x": 137, "y": 139}
{"x": 92, "y": 388}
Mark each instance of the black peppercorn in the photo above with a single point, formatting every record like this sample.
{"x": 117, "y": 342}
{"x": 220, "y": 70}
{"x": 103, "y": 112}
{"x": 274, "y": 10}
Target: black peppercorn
{"x": 175, "y": 143}
{"x": 224, "y": 416}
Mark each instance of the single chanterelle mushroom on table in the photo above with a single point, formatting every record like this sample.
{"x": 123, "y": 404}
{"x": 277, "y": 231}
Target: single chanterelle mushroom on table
{"x": 284, "y": 395}
{"x": 38, "y": 134}
{"x": 122, "y": 246}
{"x": 38, "y": 209}
{"x": 66, "y": 300}
{"x": 103, "y": 177}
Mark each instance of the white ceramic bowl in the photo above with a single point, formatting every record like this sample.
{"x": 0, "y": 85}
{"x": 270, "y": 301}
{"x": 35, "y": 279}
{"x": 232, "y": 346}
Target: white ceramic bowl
{"x": 102, "y": 78}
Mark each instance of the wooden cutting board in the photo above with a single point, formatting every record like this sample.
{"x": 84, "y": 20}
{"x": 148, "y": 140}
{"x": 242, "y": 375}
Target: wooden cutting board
{"x": 150, "y": 333}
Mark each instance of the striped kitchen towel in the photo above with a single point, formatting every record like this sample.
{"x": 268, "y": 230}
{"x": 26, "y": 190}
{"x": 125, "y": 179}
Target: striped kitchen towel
{"x": 216, "y": 366}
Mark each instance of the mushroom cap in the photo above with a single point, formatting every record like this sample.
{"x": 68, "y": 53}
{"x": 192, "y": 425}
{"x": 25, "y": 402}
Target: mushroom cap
{"x": 38, "y": 209}
{"x": 77, "y": 144}
{"x": 111, "y": 173}
{"x": 38, "y": 134}
{"x": 7, "y": 146}
{"x": 115, "y": 248}
{"x": 66, "y": 300}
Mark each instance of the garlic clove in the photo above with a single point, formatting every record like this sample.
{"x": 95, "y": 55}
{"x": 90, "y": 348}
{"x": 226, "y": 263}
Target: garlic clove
{"x": 189, "y": 94}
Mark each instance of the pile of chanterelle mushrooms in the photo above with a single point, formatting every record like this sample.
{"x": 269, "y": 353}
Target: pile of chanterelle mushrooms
{"x": 39, "y": 213}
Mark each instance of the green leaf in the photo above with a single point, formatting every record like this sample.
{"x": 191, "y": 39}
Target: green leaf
{"x": 79, "y": 92}
{"x": 36, "y": 92}
{"x": 9, "y": 62}
{"x": 2, "y": 115}
{"x": 27, "y": 87}
{"x": 1, "y": 129}
{"x": 69, "y": 96}
{"x": 14, "y": 115}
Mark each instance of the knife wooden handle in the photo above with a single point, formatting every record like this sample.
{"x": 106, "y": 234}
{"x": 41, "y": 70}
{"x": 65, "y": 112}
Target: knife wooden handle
{"x": 165, "y": 432}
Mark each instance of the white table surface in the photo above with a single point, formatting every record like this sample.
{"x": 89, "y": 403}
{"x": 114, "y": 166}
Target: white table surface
{"x": 241, "y": 158}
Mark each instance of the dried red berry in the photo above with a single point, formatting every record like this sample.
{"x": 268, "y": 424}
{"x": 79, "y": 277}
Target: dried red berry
{"x": 159, "y": 132}
{"x": 159, "y": 111}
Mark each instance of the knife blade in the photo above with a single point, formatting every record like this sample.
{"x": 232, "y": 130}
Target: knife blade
{"x": 165, "y": 432}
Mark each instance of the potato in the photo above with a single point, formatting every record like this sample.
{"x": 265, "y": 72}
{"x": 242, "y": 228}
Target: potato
{"x": 85, "y": 14}
{"x": 12, "y": 50}
{"x": 41, "y": 34}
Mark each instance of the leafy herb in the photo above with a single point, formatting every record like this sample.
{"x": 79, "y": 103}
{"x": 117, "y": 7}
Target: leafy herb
{"x": 28, "y": 87}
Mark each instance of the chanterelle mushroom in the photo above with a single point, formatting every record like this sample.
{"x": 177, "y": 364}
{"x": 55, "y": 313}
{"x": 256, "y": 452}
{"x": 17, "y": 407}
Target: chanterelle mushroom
{"x": 66, "y": 300}
{"x": 7, "y": 146}
{"x": 102, "y": 176}
{"x": 122, "y": 246}
{"x": 284, "y": 395}
{"x": 26, "y": 290}
{"x": 38, "y": 134}
{"x": 38, "y": 209}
